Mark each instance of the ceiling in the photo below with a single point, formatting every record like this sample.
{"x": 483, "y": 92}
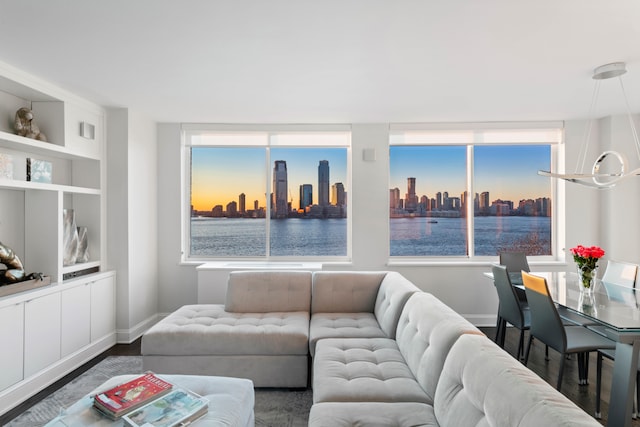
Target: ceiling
{"x": 349, "y": 61}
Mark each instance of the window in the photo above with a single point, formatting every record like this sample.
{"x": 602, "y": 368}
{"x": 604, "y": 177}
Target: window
{"x": 305, "y": 174}
{"x": 471, "y": 192}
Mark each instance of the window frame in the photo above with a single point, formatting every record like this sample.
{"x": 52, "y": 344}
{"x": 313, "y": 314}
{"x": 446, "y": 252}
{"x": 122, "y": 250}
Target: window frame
{"x": 487, "y": 134}
{"x": 267, "y": 137}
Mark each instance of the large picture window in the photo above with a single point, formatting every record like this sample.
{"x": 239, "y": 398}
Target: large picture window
{"x": 267, "y": 194}
{"x": 471, "y": 192}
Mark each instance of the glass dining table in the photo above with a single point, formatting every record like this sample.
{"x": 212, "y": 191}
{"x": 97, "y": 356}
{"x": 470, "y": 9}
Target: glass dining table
{"x": 617, "y": 309}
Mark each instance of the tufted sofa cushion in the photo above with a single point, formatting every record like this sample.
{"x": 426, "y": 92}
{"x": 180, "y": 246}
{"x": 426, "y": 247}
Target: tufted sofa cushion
{"x": 207, "y": 329}
{"x": 342, "y": 325}
{"x": 491, "y": 388}
{"x": 426, "y": 331}
{"x": 363, "y": 370}
{"x": 268, "y": 291}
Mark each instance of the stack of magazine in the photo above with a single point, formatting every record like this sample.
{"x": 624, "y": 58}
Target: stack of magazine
{"x": 145, "y": 401}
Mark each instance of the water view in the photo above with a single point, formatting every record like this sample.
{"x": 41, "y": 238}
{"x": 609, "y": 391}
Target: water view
{"x": 241, "y": 237}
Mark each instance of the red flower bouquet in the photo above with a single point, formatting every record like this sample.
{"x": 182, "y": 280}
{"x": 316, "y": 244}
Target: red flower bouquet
{"x": 587, "y": 260}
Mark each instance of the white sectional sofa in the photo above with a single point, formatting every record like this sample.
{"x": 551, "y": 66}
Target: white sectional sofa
{"x": 383, "y": 352}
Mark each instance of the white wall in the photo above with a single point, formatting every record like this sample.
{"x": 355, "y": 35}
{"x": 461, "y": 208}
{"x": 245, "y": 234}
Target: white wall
{"x": 461, "y": 285}
{"x": 132, "y": 224}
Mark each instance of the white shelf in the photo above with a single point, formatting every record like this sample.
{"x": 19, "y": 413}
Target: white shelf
{"x": 20, "y": 143}
{"x": 80, "y": 266}
{"x": 12, "y": 184}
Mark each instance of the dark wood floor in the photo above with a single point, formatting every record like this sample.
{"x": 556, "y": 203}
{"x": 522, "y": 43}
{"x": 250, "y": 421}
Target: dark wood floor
{"x": 584, "y": 396}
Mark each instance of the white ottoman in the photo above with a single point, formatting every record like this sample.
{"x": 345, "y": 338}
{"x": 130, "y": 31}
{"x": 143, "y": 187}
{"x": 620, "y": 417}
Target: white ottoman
{"x": 231, "y": 402}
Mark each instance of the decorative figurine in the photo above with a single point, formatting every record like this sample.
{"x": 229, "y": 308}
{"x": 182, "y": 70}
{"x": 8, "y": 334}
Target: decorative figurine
{"x": 25, "y": 126}
{"x": 15, "y": 271}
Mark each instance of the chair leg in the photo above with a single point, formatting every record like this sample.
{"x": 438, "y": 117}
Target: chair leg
{"x": 598, "y": 414}
{"x": 498, "y": 324}
{"x": 585, "y": 367}
{"x": 580, "y": 357}
{"x": 526, "y": 355}
{"x": 561, "y": 372}
{"x": 520, "y": 344}
{"x": 546, "y": 353}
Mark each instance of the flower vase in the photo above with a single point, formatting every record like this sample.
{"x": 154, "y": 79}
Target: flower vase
{"x": 586, "y": 283}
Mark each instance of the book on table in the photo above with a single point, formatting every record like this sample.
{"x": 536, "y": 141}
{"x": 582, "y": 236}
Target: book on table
{"x": 130, "y": 395}
{"x": 179, "y": 407}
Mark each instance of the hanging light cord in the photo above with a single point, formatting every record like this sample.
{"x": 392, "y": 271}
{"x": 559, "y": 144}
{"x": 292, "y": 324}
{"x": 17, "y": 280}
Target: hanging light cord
{"x": 633, "y": 128}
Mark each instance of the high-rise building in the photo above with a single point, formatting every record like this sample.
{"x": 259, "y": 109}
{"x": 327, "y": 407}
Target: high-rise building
{"x": 411, "y": 199}
{"x": 394, "y": 198}
{"x": 306, "y": 195}
{"x": 242, "y": 208}
{"x": 438, "y": 200}
{"x": 337, "y": 194}
{"x": 323, "y": 183}
{"x": 484, "y": 204}
{"x": 279, "y": 205}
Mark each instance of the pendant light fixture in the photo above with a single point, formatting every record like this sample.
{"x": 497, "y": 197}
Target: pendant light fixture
{"x": 599, "y": 178}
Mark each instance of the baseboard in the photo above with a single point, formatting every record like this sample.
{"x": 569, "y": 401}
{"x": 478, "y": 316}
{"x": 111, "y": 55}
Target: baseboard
{"x": 481, "y": 320}
{"x": 21, "y": 391}
{"x": 127, "y": 336}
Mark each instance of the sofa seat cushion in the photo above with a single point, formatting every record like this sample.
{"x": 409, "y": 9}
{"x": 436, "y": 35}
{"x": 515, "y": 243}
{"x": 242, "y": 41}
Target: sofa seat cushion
{"x": 372, "y": 414}
{"x": 363, "y": 370}
{"x": 207, "y": 329}
{"x": 343, "y": 325}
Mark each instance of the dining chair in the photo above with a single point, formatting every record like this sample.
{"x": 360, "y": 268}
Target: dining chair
{"x": 620, "y": 273}
{"x": 515, "y": 262}
{"x": 510, "y": 309}
{"x": 546, "y": 326}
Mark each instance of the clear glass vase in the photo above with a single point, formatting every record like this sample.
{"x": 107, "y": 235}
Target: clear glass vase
{"x": 587, "y": 283}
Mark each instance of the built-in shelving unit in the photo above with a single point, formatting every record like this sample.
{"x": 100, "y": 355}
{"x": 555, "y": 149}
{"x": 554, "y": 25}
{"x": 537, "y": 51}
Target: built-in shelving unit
{"x": 53, "y": 329}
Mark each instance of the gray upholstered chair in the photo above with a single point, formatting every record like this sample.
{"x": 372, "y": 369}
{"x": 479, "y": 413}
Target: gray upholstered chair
{"x": 547, "y": 327}
{"x": 514, "y": 261}
{"x": 511, "y": 309}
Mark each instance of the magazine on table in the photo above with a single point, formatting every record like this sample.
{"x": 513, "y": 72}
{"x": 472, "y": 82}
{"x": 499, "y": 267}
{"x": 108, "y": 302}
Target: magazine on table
{"x": 125, "y": 397}
{"x": 179, "y": 407}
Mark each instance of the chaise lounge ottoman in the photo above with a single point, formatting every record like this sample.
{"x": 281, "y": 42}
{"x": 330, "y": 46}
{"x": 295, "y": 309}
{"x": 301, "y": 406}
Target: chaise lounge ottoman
{"x": 261, "y": 333}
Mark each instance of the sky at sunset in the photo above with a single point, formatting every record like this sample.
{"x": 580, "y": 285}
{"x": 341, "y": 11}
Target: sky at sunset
{"x": 219, "y": 175}
{"x": 507, "y": 172}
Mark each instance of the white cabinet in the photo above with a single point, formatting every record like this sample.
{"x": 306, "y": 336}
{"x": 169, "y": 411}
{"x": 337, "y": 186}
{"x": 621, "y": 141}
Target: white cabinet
{"x": 12, "y": 339}
{"x": 41, "y": 333}
{"x": 49, "y": 331}
{"x": 103, "y": 307}
{"x": 75, "y": 318}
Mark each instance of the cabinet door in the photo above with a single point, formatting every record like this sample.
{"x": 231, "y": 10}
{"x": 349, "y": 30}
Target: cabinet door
{"x": 103, "y": 307}
{"x": 75, "y": 318}
{"x": 11, "y": 337}
{"x": 41, "y": 333}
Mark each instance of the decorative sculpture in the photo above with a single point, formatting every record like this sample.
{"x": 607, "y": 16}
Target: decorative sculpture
{"x": 25, "y": 126}
{"x": 14, "y": 272}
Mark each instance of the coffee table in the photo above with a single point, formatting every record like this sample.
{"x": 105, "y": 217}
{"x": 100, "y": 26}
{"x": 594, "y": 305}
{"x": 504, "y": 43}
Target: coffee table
{"x": 231, "y": 402}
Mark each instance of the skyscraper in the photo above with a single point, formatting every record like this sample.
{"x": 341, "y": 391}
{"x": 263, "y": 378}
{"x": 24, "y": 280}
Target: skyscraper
{"x": 306, "y": 195}
{"x": 242, "y": 204}
{"x": 337, "y": 194}
{"x": 411, "y": 199}
{"x": 323, "y": 183}
{"x": 280, "y": 190}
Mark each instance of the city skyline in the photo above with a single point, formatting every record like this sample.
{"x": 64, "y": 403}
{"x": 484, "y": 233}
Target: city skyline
{"x": 509, "y": 172}
{"x": 219, "y": 175}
